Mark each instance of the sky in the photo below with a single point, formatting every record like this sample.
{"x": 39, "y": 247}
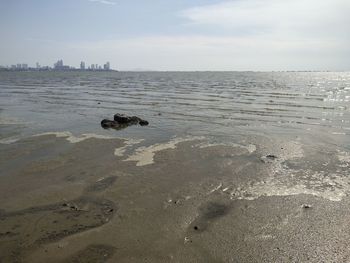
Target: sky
{"x": 180, "y": 35}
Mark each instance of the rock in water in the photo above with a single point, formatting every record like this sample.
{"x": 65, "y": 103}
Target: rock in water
{"x": 122, "y": 121}
{"x": 121, "y": 118}
{"x": 106, "y": 124}
{"x": 130, "y": 120}
{"x": 143, "y": 122}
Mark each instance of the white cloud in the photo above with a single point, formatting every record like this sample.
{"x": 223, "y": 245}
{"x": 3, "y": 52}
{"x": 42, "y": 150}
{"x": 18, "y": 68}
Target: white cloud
{"x": 271, "y": 17}
{"x": 106, "y": 2}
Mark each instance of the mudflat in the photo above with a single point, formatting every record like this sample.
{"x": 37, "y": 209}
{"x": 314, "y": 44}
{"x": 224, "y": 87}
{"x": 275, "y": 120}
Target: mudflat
{"x": 95, "y": 199}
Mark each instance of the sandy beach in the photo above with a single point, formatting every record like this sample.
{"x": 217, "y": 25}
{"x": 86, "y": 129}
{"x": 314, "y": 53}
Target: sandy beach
{"x": 185, "y": 200}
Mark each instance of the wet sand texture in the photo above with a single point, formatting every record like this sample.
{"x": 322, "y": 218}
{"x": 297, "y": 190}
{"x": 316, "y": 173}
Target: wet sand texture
{"x": 92, "y": 254}
{"x": 208, "y": 213}
{"x": 23, "y": 229}
{"x": 190, "y": 202}
{"x": 38, "y": 225}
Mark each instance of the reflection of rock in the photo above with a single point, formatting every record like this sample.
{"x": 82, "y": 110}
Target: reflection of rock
{"x": 106, "y": 124}
{"x": 122, "y": 121}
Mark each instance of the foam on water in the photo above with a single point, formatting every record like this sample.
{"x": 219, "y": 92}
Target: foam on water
{"x": 75, "y": 139}
{"x": 335, "y": 191}
{"x": 9, "y": 121}
{"x": 344, "y": 157}
{"x": 144, "y": 155}
{"x": 128, "y": 143}
{"x": 250, "y": 147}
{"x": 9, "y": 140}
{"x": 284, "y": 181}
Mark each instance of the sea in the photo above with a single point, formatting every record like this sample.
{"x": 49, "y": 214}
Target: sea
{"x": 221, "y": 106}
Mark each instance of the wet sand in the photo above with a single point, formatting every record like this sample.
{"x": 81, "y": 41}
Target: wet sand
{"x": 88, "y": 199}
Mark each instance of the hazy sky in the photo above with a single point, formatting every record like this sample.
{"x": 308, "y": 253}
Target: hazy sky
{"x": 178, "y": 34}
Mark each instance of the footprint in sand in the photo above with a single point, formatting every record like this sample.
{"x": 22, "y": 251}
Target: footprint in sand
{"x": 27, "y": 228}
{"x": 208, "y": 213}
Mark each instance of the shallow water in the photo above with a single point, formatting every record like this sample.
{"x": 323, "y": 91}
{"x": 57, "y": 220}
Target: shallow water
{"x": 259, "y": 161}
{"x": 223, "y": 105}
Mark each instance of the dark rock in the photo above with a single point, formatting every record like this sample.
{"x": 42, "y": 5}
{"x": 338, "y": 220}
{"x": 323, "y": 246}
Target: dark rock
{"x": 122, "y": 121}
{"x": 143, "y": 123}
{"x": 121, "y": 118}
{"x": 106, "y": 124}
{"x": 130, "y": 120}
{"x": 306, "y": 206}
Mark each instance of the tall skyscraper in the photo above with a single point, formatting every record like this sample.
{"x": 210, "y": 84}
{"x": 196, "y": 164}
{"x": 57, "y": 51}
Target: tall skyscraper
{"x": 37, "y": 65}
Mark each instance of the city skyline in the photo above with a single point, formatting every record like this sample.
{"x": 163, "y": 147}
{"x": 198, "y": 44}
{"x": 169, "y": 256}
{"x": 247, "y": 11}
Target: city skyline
{"x": 58, "y": 65}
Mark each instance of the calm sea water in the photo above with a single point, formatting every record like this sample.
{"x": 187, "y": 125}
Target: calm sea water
{"x": 221, "y": 105}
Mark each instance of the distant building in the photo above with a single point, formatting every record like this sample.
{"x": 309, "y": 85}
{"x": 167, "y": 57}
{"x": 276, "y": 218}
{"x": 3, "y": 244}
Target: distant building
{"x": 58, "y": 64}
{"x": 82, "y": 65}
{"x": 106, "y": 66}
{"x": 37, "y": 65}
{"x": 92, "y": 66}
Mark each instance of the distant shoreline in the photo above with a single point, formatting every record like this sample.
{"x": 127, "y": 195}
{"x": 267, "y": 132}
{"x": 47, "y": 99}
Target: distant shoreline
{"x": 166, "y": 71}
{"x": 56, "y": 70}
